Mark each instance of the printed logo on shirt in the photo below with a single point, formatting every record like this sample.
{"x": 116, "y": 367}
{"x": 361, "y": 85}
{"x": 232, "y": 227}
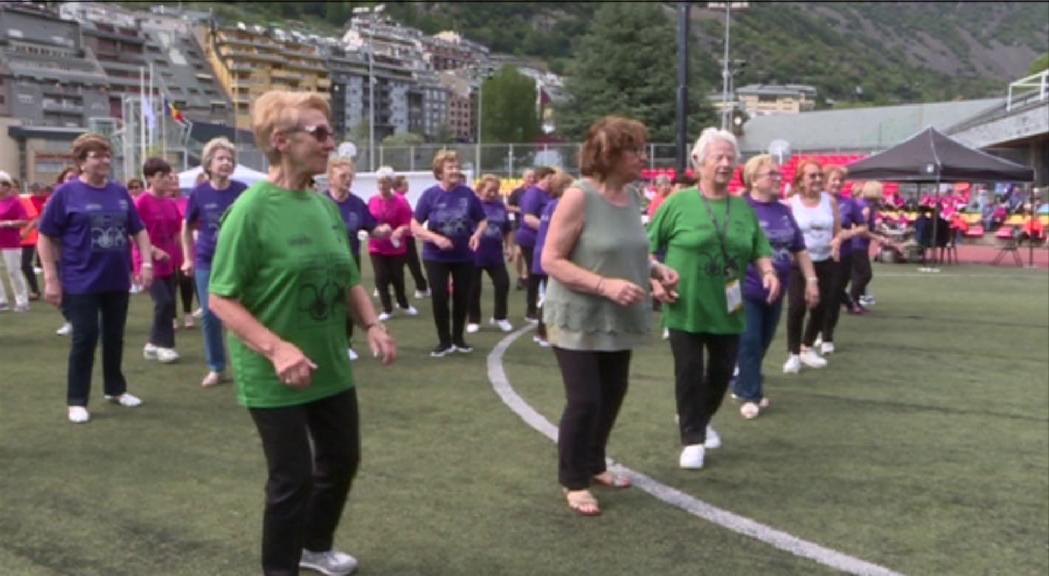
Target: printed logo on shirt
{"x": 122, "y": 203}
{"x": 108, "y": 231}
{"x": 321, "y": 292}
{"x": 451, "y": 218}
{"x": 300, "y": 240}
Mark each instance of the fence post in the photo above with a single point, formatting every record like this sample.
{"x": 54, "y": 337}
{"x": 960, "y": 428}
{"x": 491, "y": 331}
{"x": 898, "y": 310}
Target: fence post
{"x": 382, "y": 150}
{"x": 510, "y": 163}
{"x": 411, "y": 158}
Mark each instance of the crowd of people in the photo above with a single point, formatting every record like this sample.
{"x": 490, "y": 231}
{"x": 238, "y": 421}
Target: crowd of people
{"x": 278, "y": 266}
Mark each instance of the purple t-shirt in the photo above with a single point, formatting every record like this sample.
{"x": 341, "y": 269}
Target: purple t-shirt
{"x": 357, "y": 217}
{"x": 453, "y": 214}
{"x": 540, "y": 236}
{"x": 785, "y": 238}
{"x": 490, "y": 252}
{"x": 533, "y": 201}
{"x": 205, "y": 209}
{"x": 850, "y": 216}
{"x": 862, "y": 243}
{"x": 93, "y": 225}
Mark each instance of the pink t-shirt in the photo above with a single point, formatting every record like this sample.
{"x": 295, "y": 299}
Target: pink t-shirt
{"x": 395, "y": 212}
{"x": 11, "y": 209}
{"x": 654, "y": 205}
{"x": 163, "y": 222}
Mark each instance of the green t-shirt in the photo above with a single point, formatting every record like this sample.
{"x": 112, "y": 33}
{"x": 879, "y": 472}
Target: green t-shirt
{"x": 284, "y": 255}
{"x": 683, "y": 229}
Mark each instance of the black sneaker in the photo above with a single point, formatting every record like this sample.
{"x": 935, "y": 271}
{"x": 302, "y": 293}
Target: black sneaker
{"x": 463, "y": 347}
{"x": 442, "y": 350}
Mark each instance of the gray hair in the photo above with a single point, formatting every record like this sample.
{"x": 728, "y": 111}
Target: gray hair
{"x": 662, "y": 180}
{"x": 212, "y": 148}
{"x": 706, "y": 138}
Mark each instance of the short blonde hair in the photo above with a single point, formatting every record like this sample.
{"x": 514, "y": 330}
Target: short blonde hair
{"x": 280, "y": 110}
{"x": 341, "y": 162}
{"x": 90, "y": 142}
{"x": 559, "y": 182}
{"x": 872, "y": 190}
{"x": 489, "y": 180}
{"x": 211, "y": 148}
{"x": 750, "y": 169}
{"x": 440, "y": 158}
{"x": 831, "y": 169}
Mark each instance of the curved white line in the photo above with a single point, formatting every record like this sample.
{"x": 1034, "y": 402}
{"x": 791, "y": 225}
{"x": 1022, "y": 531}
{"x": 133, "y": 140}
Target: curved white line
{"x": 735, "y": 522}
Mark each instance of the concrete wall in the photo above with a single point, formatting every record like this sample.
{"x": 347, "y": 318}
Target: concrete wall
{"x": 9, "y": 147}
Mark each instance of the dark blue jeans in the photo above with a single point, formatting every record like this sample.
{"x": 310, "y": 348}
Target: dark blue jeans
{"x": 84, "y": 312}
{"x": 762, "y": 319}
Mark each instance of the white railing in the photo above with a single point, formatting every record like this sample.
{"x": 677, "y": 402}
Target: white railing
{"x": 1034, "y": 83}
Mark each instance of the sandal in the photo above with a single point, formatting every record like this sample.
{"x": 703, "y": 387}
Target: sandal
{"x": 613, "y": 481}
{"x": 582, "y": 502}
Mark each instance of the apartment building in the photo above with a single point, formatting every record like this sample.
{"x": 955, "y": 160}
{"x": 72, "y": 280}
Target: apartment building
{"x": 462, "y": 104}
{"x": 761, "y": 99}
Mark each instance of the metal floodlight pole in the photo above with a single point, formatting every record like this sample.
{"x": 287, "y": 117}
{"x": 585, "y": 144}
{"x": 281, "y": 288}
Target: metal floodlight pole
{"x": 725, "y": 113}
{"x": 681, "y": 155}
{"x": 480, "y": 93}
{"x": 371, "y": 109}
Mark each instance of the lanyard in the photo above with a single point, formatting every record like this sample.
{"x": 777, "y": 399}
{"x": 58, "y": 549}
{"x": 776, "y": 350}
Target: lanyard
{"x": 722, "y": 233}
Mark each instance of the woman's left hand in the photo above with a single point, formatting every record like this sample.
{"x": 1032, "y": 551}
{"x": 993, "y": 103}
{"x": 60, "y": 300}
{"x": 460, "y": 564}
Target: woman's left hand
{"x": 382, "y": 344}
{"x": 771, "y": 283}
{"x": 667, "y": 276}
{"x": 475, "y": 242}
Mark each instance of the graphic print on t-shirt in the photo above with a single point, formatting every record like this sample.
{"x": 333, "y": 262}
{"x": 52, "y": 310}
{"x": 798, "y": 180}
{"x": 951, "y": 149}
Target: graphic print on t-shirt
{"x": 108, "y": 231}
{"x": 320, "y": 289}
{"x": 780, "y": 237}
{"x": 451, "y": 218}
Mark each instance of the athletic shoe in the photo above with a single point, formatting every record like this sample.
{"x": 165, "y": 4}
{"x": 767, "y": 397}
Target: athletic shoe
{"x": 353, "y": 355}
{"x": 135, "y": 289}
{"x": 531, "y": 319}
{"x": 857, "y": 310}
{"x": 410, "y": 311}
{"x": 126, "y": 400}
{"x": 666, "y": 333}
{"x": 763, "y": 403}
{"x": 149, "y": 351}
{"x": 472, "y": 328}
{"x": 212, "y": 379}
{"x": 811, "y": 359}
{"x": 867, "y": 300}
{"x": 542, "y": 342}
{"x": 187, "y": 321}
{"x": 331, "y": 563}
{"x": 5, "y": 307}
{"x": 385, "y": 316}
{"x": 818, "y": 342}
{"x": 38, "y": 270}
{"x": 827, "y": 348}
{"x": 21, "y": 307}
{"x": 420, "y": 294}
{"x": 503, "y": 324}
{"x": 375, "y": 293}
{"x": 167, "y": 355}
{"x": 692, "y": 457}
{"x": 793, "y": 364}
{"x": 462, "y": 347}
{"x": 713, "y": 439}
{"x": 198, "y": 313}
{"x": 65, "y": 330}
{"x": 78, "y": 414}
{"x": 749, "y": 410}
{"x": 442, "y": 350}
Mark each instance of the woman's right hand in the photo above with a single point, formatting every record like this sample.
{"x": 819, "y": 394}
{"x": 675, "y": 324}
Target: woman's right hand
{"x": 622, "y": 292}
{"x": 53, "y": 292}
{"x": 293, "y": 368}
{"x": 187, "y": 267}
{"x": 442, "y": 242}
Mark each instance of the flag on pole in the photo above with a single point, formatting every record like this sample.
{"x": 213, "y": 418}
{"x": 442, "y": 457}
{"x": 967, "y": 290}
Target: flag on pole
{"x": 147, "y": 107}
{"x": 173, "y": 111}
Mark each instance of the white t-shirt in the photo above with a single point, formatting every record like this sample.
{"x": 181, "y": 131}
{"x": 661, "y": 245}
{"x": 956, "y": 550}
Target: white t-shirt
{"x": 817, "y": 225}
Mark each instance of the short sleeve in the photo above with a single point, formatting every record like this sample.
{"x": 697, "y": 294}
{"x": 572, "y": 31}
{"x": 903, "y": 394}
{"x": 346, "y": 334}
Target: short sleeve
{"x": 192, "y": 209}
{"x": 233, "y": 267}
{"x": 476, "y": 208}
{"x": 336, "y": 221}
{"x": 134, "y": 221}
{"x": 761, "y": 247}
{"x": 368, "y": 221}
{"x": 659, "y": 228}
{"x": 798, "y": 243}
{"x": 422, "y": 208}
{"x": 53, "y": 222}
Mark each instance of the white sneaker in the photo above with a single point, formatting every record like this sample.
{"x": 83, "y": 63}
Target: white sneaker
{"x": 135, "y": 288}
{"x": 793, "y": 364}
{"x": 198, "y": 313}
{"x": 827, "y": 348}
{"x": 78, "y": 414}
{"x": 21, "y": 307}
{"x": 126, "y": 400}
{"x": 375, "y": 293}
{"x": 819, "y": 341}
{"x": 749, "y": 410}
{"x": 331, "y": 563}
{"x": 811, "y": 359}
{"x": 167, "y": 355}
{"x": 692, "y": 457}
{"x": 542, "y": 342}
{"x": 410, "y": 311}
{"x": 65, "y": 330}
{"x": 713, "y": 439}
{"x": 149, "y": 351}
{"x": 351, "y": 354}
{"x": 472, "y": 328}
{"x": 503, "y": 325}
{"x": 666, "y": 333}
{"x": 420, "y": 294}
{"x": 385, "y": 316}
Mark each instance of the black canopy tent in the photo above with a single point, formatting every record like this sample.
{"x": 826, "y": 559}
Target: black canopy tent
{"x": 932, "y": 157}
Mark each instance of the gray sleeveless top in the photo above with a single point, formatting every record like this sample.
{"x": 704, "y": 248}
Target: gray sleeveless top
{"x": 613, "y": 244}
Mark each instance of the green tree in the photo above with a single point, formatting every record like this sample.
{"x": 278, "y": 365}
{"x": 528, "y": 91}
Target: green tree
{"x": 508, "y": 111}
{"x": 626, "y": 64}
{"x": 1040, "y": 63}
{"x": 403, "y": 139}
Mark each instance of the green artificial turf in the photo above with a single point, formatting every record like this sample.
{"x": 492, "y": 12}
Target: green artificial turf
{"x": 923, "y": 447}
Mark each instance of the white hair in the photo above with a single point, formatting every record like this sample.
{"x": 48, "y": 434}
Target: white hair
{"x": 706, "y": 138}
{"x": 385, "y": 173}
{"x": 5, "y": 177}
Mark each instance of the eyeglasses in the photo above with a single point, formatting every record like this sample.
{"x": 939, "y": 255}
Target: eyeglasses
{"x": 320, "y": 132}
{"x": 99, "y": 155}
{"x": 773, "y": 175}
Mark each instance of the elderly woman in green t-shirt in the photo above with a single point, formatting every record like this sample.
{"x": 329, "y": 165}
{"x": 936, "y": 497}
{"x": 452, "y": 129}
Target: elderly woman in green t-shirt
{"x": 709, "y": 237}
{"x": 283, "y": 281}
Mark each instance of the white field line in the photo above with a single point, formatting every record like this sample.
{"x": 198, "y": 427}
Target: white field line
{"x": 676, "y": 498}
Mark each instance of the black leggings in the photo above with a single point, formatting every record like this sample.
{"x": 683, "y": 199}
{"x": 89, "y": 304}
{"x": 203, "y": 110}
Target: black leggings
{"x": 27, "y": 270}
{"x": 595, "y": 384}
{"x": 412, "y": 260}
{"x": 841, "y": 275}
{"x": 162, "y": 331}
{"x": 796, "y": 307}
{"x": 532, "y": 295}
{"x": 186, "y": 288}
{"x": 699, "y": 386}
{"x": 861, "y": 274}
{"x": 501, "y": 284}
{"x": 389, "y": 270}
{"x": 461, "y": 275}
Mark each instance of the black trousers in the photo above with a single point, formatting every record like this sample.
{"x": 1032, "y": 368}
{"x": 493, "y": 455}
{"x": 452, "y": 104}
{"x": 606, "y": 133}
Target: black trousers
{"x": 461, "y": 274}
{"x": 700, "y": 384}
{"x": 840, "y": 277}
{"x": 595, "y": 384}
{"x": 532, "y": 295}
{"x": 389, "y": 270}
{"x": 28, "y": 252}
{"x": 412, "y": 260}
{"x": 162, "y": 331}
{"x": 796, "y": 307}
{"x": 186, "y": 287}
{"x": 84, "y": 312}
{"x": 501, "y": 284}
{"x": 312, "y": 454}
{"x": 861, "y": 274}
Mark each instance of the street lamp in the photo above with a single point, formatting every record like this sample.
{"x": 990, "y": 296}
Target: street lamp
{"x": 726, "y": 73}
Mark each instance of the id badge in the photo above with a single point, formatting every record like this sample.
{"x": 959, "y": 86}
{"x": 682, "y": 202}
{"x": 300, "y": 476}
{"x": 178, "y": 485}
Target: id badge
{"x": 733, "y": 296}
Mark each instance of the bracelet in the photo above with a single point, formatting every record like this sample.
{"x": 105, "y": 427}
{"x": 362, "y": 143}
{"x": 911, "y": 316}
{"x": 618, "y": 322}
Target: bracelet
{"x": 600, "y": 281}
{"x": 812, "y": 279}
{"x": 147, "y": 265}
{"x": 375, "y": 324}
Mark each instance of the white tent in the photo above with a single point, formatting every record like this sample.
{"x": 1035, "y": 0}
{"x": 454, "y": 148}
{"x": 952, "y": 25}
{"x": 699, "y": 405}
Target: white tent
{"x": 187, "y": 180}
